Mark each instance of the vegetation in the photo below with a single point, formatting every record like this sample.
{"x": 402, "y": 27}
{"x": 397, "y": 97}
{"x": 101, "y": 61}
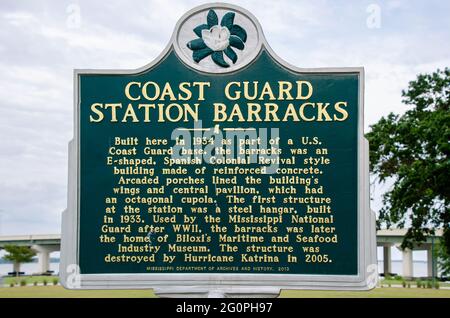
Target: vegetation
{"x": 60, "y": 292}
{"x": 443, "y": 260}
{"x": 30, "y": 280}
{"x": 412, "y": 150}
{"x": 18, "y": 255}
{"x": 419, "y": 283}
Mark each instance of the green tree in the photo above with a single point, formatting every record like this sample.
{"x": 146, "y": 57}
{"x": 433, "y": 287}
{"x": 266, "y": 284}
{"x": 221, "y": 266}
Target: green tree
{"x": 18, "y": 255}
{"x": 412, "y": 150}
{"x": 443, "y": 257}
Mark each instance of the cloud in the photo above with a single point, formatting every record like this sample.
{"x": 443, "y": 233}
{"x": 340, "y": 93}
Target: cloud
{"x": 41, "y": 42}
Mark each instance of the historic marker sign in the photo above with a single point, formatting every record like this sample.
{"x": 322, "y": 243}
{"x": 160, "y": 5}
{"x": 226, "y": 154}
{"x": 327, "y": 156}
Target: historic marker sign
{"x": 219, "y": 166}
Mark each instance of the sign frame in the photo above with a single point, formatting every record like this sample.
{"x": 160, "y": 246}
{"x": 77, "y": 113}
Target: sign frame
{"x": 225, "y": 283}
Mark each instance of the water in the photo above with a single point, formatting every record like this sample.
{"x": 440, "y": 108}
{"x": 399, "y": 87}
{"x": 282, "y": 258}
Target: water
{"x": 28, "y": 268}
{"x": 420, "y": 268}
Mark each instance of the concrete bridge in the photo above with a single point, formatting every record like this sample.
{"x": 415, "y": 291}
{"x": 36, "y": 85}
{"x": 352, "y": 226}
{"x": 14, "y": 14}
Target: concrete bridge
{"x": 42, "y": 244}
{"x": 394, "y": 238}
{"x": 388, "y": 239}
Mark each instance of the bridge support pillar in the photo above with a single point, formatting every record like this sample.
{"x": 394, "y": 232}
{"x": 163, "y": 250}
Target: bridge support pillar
{"x": 387, "y": 269}
{"x": 43, "y": 254}
{"x": 431, "y": 263}
{"x": 44, "y": 261}
{"x": 407, "y": 263}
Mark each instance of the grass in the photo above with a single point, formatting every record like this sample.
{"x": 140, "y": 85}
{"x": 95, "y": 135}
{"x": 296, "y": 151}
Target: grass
{"x": 29, "y": 279}
{"x": 60, "y": 292}
{"x": 412, "y": 282}
{"x": 375, "y": 293}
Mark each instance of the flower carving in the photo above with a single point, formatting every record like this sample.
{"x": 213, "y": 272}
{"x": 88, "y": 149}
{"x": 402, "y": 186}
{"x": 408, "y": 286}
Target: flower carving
{"x": 216, "y": 40}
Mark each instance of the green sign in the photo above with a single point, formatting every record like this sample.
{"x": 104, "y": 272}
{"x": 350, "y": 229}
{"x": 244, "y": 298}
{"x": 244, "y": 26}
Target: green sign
{"x": 219, "y": 159}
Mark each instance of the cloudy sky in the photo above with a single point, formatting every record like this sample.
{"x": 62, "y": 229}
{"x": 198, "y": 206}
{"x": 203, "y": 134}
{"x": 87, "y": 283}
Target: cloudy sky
{"x": 41, "y": 42}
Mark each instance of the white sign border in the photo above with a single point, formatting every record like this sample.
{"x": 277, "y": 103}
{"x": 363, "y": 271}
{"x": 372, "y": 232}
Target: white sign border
{"x": 233, "y": 283}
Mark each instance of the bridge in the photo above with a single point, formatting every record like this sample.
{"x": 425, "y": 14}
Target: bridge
{"x": 394, "y": 238}
{"x": 45, "y": 244}
{"x": 42, "y": 244}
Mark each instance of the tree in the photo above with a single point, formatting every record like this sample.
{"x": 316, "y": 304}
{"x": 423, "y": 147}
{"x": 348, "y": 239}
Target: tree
{"x": 443, "y": 259}
{"x": 412, "y": 150}
{"x": 18, "y": 255}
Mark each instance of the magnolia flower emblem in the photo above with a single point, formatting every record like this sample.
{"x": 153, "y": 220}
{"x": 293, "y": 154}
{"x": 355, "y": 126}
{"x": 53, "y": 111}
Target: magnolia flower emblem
{"x": 216, "y": 40}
